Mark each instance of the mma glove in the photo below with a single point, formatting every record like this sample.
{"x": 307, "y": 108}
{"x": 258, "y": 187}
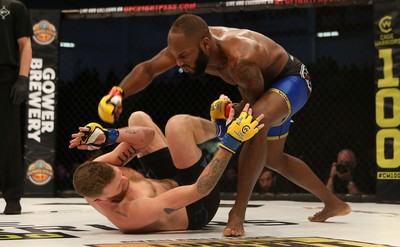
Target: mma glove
{"x": 220, "y": 109}
{"x": 219, "y": 113}
{"x": 95, "y": 130}
{"x": 106, "y": 108}
{"x": 241, "y": 129}
{"x": 20, "y": 90}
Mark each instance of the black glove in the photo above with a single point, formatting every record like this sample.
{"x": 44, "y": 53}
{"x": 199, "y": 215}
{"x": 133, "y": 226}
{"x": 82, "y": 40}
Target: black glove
{"x": 20, "y": 90}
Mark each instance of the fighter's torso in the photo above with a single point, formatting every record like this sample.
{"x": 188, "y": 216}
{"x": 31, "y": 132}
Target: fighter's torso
{"x": 147, "y": 188}
{"x": 254, "y": 47}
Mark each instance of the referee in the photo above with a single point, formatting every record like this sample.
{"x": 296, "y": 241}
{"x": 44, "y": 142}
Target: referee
{"x": 15, "y": 60}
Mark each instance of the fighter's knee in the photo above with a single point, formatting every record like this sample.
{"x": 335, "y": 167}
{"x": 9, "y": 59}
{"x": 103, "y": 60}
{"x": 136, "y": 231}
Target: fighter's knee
{"x": 272, "y": 117}
{"x": 139, "y": 118}
{"x": 176, "y": 124}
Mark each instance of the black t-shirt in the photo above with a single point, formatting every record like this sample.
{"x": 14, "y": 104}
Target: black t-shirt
{"x": 15, "y": 22}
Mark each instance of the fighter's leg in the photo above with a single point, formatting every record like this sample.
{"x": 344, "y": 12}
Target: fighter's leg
{"x": 155, "y": 160}
{"x": 253, "y": 157}
{"x": 184, "y": 133}
{"x": 140, "y": 118}
{"x": 299, "y": 173}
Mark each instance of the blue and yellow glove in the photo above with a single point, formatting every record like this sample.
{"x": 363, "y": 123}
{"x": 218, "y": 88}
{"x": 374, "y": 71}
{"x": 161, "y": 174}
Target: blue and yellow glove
{"x": 91, "y": 136}
{"x": 107, "y": 104}
{"x": 241, "y": 129}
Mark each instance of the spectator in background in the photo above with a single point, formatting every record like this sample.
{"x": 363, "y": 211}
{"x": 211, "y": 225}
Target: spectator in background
{"x": 342, "y": 173}
{"x": 15, "y": 60}
{"x": 266, "y": 181}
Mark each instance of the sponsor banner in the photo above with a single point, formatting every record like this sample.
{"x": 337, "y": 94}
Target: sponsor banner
{"x": 198, "y": 7}
{"x": 39, "y": 153}
{"x": 387, "y": 99}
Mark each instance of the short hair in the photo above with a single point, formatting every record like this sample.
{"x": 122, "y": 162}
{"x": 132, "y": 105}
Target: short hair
{"x": 191, "y": 26}
{"x": 92, "y": 177}
{"x": 352, "y": 159}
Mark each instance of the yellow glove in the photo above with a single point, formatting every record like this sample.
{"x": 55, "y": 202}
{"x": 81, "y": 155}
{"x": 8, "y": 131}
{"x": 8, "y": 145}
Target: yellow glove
{"x": 241, "y": 129}
{"x": 91, "y": 137}
{"x": 220, "y": 109}
{"x": 107, "y": 104}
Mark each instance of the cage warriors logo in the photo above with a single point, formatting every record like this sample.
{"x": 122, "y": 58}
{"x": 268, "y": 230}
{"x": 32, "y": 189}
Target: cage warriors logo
{"x": 40, "y": 172}
{"x": 44, "y": 32}
{"x": 386, "y": 37}
{"x": 385, "y": 24}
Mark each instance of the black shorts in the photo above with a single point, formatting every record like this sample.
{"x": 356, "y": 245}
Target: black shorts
{"x": 159, "y": 165}
{"x": 201, "y": 212}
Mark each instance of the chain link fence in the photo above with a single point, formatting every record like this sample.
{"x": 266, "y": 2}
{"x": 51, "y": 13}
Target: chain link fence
{"x": 339, "y": 114}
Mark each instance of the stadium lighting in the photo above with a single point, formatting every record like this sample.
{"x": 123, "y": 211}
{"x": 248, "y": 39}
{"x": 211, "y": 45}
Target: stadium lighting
{"x": 327, "y": 34}
{"x": 67, "y": 45}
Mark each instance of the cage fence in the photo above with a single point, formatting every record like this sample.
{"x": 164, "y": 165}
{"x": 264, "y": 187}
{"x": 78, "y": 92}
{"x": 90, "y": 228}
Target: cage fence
{"x": 339, "y": 114}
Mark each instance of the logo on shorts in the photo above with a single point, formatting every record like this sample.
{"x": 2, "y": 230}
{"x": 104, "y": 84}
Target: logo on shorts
{"x": 44, "y": 32}
{"x": 4, "y": 12}
{"x": 306, "y": 76}
{"x": 40, "y": 172}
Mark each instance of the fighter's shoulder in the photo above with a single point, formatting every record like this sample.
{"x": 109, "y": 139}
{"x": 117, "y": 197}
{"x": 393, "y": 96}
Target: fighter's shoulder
{"x": 235, "y": 37}
{"x": 242, "y": 48}
{"x": 163, "y": 56}
{"x": 227, "y": 33}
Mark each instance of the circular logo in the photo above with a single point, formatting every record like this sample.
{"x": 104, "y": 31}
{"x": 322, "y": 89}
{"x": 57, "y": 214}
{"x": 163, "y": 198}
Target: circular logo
{"x": 44, "y": 32}
{"x": 40, "y": 172}
{"x": 385, "y": 24}
{"x": 245, "y": 129}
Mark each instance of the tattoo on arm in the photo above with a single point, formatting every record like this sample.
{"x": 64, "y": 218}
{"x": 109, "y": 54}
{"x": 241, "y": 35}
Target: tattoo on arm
{"x": 248, "y": 76}
{"x": 130, "y": 131}
{"x": 208, "y": 181}
{"x": 127, "y": 155}
{"x": 170, "y": 210}
{"x": 146, "y": 151}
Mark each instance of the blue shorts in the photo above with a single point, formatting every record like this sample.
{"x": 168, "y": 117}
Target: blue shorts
{"x": 295, "y": 90}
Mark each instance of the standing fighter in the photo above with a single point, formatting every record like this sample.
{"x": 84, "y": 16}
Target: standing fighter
{"x": 274, "y": 82}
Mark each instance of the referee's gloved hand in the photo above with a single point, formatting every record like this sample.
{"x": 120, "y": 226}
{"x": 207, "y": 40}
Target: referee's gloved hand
{"x": 20, "y": 90}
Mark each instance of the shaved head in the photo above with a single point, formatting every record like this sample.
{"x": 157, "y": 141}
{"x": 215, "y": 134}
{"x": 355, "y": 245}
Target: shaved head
{"x": 190, "y": 26}
{"x": 188, "y": 41}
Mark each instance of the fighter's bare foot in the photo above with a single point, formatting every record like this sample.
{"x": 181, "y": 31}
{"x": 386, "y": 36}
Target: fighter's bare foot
{"x": 234, "y": 227}
{"x": 340, "y": 209}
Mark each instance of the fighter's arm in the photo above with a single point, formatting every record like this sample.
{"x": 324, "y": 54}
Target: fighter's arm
{"x": 131, "y": 140}
{"x": 247, "y": 75}
{"x": 110, "y": 106}
{"x": 143, "y": 73}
